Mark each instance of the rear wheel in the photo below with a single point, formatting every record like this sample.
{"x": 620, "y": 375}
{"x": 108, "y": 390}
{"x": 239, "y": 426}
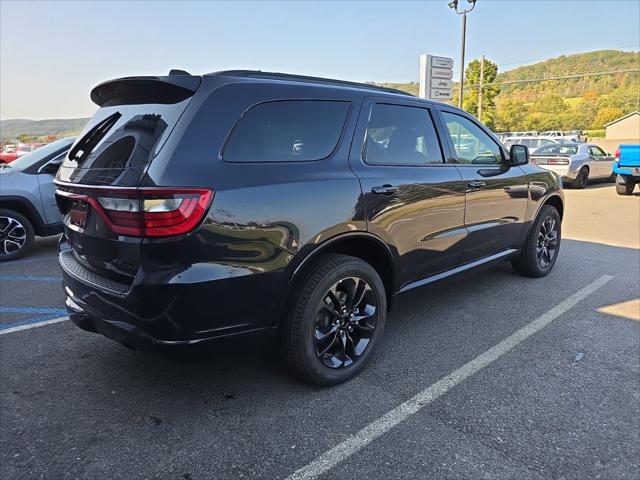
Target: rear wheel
{"x": 540, "y": 250}
{"x": 582, "y": 180}
{"x": 16, "y": 235}
{"x": 625, "y": 188}
{"x": 335, "y": 320}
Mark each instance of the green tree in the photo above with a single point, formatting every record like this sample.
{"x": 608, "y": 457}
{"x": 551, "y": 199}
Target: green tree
{"x": 606, "y": 115}
{"x": 489, "y": 92}
{"x": 24, "y": 138}
{"x": 510, "y": 115}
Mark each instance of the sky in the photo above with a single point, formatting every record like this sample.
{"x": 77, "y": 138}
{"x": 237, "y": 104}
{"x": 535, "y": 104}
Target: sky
{"x": 53, "y": 53}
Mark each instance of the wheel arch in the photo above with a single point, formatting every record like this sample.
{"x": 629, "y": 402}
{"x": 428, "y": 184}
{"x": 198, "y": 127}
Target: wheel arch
{"x": 363, "y": 245}
{"x": 556, "y": 202}
{"x": 23, "y": 207}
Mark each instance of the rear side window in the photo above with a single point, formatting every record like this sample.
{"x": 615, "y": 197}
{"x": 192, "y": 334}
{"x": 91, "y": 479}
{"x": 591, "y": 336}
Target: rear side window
{"x": 401, "y": 135}
{"x": 287, "y": 131}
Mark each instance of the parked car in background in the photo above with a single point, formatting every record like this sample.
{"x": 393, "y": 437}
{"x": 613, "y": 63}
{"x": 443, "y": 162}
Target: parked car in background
{"x": 575, "y": 163}
{"x": 12, "y": 152}
{"x": 569, "y": 136}
{"x": 627, "y": 168}
{"x": 532, "y": 143}
{"x": 27, "y": 199}
{"x": 245, "y": 203}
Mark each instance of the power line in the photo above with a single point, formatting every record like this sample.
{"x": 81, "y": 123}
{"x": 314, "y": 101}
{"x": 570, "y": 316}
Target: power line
{"x": 562, "y": 77}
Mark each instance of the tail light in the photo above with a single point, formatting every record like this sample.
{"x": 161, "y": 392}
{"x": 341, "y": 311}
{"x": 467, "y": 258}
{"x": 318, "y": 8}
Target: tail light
{"x": 618, "y": 153}
{"x": 146, "y": 212}
{"x": 558, "y": 161}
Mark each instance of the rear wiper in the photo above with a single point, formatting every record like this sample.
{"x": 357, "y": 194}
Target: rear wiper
{"x": 93, "y": 137}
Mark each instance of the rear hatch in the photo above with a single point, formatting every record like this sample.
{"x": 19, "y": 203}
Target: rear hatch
{"x": 104, "y": 210}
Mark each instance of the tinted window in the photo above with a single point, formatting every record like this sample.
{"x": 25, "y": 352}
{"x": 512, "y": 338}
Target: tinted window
{"x": 401, "y": 135}
{"x": 557, "y": 149}
{"x": 471, "y": 143}
{"x": 597, "y": 152}
{"x": 287, "y": 131}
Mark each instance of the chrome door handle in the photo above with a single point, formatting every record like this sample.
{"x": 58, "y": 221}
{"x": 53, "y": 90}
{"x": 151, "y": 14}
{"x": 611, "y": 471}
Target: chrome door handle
{"x": 477, "y": 184}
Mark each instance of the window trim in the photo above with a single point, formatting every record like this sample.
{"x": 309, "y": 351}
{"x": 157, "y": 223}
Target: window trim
{"x": 430, "y": 113}
{"x": 454, "y": 154}
{"x": 287, "y": 162}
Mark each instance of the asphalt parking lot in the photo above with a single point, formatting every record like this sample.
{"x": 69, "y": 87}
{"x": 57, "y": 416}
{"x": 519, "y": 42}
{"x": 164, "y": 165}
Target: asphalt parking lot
{"x": 493, "y": 376}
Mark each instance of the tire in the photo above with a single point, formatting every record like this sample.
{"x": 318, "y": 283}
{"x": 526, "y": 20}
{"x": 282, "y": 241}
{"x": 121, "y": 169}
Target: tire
{"x": 16, "y": 235}
{"x": 321, "y": 332}
{"x": 582, "y": 180}
{"x": 528, "y": 262}
{"x": 625, "y": 188}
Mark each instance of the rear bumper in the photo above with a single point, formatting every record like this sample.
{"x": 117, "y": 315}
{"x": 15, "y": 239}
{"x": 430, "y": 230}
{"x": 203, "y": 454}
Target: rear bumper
{"x": 630, "y": 171}
{"x": 563, "y": 171}
{"x": 201, "y": 303}
{"x": 139, "y": 339}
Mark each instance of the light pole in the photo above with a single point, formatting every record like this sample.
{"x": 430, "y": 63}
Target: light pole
{"x": 454, "y": 6}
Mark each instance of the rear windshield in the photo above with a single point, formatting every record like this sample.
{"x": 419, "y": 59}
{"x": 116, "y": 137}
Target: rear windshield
{"x": 557, "y": 149}
{"x": 287, "y": 131}
{"x": 119, "y": 142}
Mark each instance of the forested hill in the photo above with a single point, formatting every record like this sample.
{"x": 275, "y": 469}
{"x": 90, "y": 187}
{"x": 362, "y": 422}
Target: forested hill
{"x": 581, "y": 63}
{"x": 583, "y": 102}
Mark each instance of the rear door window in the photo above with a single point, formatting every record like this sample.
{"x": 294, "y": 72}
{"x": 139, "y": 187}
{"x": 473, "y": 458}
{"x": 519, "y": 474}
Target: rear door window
{"x": 287, "y": 131}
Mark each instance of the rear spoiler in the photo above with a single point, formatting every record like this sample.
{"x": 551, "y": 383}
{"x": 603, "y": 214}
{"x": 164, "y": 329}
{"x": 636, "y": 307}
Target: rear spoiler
{"x": 140, "y": 90}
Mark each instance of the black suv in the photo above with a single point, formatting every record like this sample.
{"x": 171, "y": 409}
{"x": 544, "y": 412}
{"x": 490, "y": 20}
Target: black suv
{"x": 202, "y": 207}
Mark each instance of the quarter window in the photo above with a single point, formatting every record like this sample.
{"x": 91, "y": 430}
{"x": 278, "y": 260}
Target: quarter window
{"x": 287, "y": 131}
{"x": 401, "y": 135}
{"x": 472, "y": 145}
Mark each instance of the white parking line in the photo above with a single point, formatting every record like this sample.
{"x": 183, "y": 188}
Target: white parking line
{"x": 33, "y": 325}
{"x": 378, "y": 427}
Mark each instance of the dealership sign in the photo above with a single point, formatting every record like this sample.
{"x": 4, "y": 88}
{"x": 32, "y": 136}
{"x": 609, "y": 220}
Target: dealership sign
{"x": 435, "y": 77}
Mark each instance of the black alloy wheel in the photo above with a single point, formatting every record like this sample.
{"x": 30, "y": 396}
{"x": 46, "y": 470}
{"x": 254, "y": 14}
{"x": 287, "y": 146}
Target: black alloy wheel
{"x": 540, "y": 250}
{"x": 345, "y": 322}
{"x": 335, "y": 320}
{"x": 582, "y": 179}
{"x": 547, "y": 247}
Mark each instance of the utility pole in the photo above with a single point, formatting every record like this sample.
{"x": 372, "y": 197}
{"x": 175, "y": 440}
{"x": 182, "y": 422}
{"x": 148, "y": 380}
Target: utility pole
{"x": 480, "y": 88}
{"x": 464, "y": 34}
{"x": 454, "y": 6}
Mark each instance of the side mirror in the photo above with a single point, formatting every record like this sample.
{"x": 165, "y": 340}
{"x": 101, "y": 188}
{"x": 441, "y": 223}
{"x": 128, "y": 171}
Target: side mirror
{"x": 519, "y": 154}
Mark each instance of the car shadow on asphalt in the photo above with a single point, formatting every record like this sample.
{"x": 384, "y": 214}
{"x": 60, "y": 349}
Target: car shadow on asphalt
{"x": 430, "y": 312}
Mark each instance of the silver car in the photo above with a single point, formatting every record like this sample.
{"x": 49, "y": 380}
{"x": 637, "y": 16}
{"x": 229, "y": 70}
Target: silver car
{"x": 27, "y": 199}
{"x": 575, "y": 163}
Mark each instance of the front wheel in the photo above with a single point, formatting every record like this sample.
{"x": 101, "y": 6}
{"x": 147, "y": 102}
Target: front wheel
{"x": 16, "y": 235}
{"x": 542, "y": 245}
{"x": 335, "y": 320}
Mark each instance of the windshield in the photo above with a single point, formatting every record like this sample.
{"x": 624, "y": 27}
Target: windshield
{"x": 558, "y": 149}
{"x": 39, "y": 154}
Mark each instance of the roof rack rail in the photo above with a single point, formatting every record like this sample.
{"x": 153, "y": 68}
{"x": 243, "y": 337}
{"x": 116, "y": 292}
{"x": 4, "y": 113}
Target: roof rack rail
{"x": 304, "y": 78}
